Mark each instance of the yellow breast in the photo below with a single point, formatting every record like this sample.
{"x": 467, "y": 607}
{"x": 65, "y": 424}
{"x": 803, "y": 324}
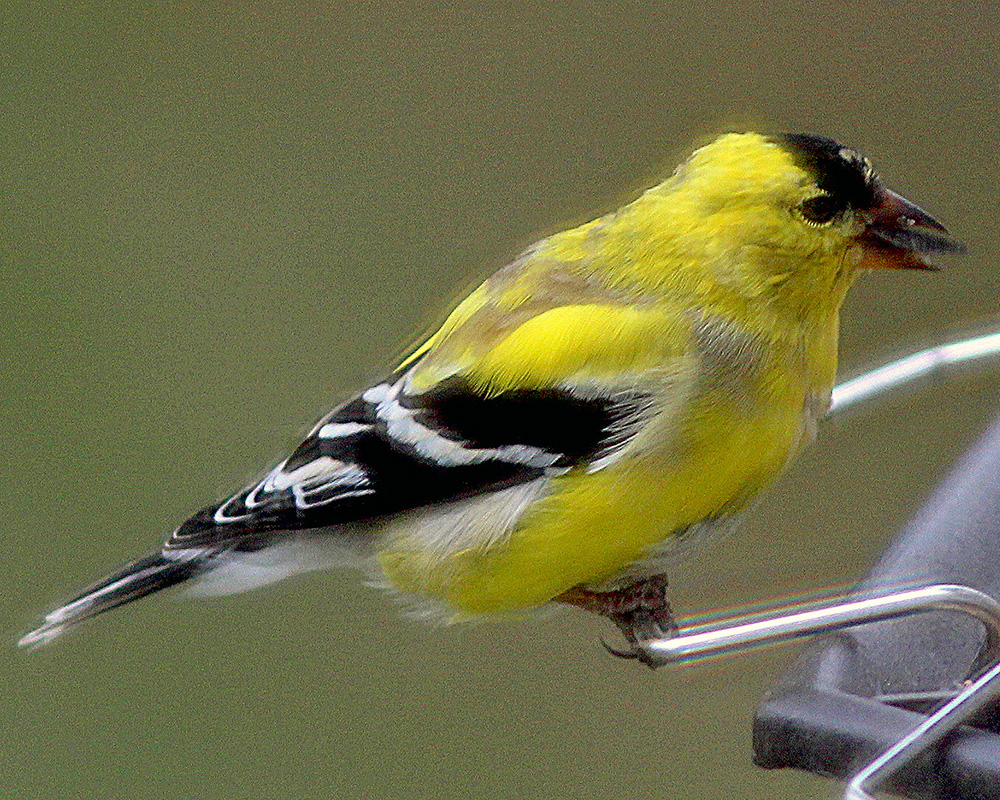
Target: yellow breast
{"x": 724, "y": 444}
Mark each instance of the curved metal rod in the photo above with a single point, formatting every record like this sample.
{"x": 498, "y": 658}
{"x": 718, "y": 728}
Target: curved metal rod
{"x": 926, "y": 362}
{"x": 987, "y": 687}
{"x": 980, "y": 693}
{"x": 743, "y": 632}
{"x": 807, "y": 619}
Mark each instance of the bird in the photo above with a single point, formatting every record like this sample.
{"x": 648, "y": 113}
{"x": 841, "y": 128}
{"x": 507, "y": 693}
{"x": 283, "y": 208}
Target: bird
{"x": 617, "y": 394}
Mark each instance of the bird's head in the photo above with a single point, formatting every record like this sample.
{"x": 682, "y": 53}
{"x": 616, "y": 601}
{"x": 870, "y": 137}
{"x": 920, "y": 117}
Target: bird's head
{"x": 799, "y": 214}
{"x": 846, "y": 196}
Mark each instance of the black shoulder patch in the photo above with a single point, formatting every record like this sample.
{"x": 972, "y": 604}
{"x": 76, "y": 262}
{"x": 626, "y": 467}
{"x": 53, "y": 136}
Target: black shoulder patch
{"x": 843, "y": 173}
{"x": 553, "y": 420}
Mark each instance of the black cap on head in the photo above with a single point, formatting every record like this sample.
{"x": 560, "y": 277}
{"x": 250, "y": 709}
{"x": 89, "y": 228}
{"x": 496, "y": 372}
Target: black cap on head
{"x": 844, "y": 174}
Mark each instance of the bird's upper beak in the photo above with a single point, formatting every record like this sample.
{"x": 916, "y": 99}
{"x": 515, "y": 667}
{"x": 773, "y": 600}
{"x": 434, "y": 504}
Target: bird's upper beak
{"x": 897, "y": 235}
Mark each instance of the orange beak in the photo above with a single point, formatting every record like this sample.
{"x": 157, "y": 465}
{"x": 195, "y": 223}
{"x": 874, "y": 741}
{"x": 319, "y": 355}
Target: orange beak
{"x": 897, "y": 235}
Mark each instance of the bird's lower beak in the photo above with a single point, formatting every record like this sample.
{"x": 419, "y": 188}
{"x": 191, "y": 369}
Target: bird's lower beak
{"x": 897, "y": 235}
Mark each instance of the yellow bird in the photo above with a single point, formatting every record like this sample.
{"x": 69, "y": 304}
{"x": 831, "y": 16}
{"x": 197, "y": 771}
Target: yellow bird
{"x": 621, "y": 388}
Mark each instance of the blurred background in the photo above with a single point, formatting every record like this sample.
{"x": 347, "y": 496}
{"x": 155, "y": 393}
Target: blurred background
{"x": 219, "y": 221}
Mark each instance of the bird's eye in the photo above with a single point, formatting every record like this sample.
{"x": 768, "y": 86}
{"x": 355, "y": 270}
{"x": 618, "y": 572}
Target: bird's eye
{"x": 821, "y": 208}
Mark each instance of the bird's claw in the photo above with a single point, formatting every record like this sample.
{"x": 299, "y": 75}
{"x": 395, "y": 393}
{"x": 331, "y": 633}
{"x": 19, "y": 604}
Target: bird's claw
{"x": 634, "y": 652}
{"x": 640, "y": 610}
{"x": 630, "y": 653}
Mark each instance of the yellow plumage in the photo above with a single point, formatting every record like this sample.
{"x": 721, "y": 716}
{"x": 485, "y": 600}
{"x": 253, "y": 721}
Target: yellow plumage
{"x": 621, "y": 385}
{"x": 700, "y": 292}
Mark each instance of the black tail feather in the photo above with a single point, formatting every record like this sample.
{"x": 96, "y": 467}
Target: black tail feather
{"x": 142, "y": 577}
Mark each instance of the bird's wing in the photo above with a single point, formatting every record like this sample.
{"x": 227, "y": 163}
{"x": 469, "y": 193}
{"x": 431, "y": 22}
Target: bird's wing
{"x": 394, "y": 448}
{"x": 540, "y": 370}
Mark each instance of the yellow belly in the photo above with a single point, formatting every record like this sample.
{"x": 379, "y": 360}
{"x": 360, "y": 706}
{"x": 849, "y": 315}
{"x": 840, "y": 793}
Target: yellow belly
{"x": 589, "y": 527}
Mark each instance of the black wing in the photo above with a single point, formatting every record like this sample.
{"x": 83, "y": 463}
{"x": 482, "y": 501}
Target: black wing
{"x": 386, "y": 452}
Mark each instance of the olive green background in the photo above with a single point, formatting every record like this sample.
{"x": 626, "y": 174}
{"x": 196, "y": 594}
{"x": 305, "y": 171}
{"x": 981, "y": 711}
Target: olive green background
{"x": 217, "y": 221}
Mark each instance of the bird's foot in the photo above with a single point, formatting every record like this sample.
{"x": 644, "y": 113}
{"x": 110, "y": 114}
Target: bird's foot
{"x": 640, "y": 610}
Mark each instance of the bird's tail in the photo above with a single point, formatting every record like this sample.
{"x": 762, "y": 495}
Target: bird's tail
{"x": 142, "y": 577}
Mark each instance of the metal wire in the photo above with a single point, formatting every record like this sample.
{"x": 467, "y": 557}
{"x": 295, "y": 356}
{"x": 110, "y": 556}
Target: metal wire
{"x": 932, "y": 730}
{"x": 905, "y": 370}
{"x": 807, "y": 619}
{"x": 987, "y": 687}
{"x": 741, "y": 633}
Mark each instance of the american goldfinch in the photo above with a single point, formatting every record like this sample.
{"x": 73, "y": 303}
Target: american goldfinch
{"x": 620, "y": 389}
